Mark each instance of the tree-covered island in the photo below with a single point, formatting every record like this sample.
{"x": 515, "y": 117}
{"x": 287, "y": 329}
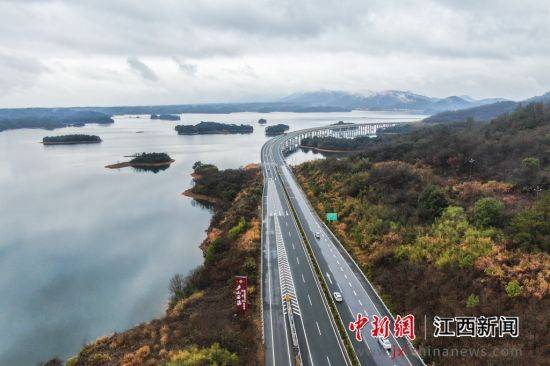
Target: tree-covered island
{"x": 71, "y": 139}
{"x": 276, "y": 129}
{"x": 208, "y": 128}
{"x": 262, "y": 121}
{"x": 166, "y": 117}
{"x": 145, "y": 160}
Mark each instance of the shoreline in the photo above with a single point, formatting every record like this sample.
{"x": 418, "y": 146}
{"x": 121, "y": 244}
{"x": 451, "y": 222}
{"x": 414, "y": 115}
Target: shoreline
{"x": 200, "y": 197}
{"x": 329, "y": 150}
{"x": 138, "y": 165}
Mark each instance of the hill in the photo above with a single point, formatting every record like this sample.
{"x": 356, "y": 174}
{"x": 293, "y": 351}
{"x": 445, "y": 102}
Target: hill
{"x": 485, "y": 112}
{"x": 451, "y": 220}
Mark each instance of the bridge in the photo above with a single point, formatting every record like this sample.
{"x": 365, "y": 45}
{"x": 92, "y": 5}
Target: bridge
{"x": 299, "y": 327}
{"x": 339, "y": 130}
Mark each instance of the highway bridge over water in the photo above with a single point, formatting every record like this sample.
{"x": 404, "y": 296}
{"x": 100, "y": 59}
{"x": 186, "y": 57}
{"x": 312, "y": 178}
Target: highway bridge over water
{"x": 298, "y": 326}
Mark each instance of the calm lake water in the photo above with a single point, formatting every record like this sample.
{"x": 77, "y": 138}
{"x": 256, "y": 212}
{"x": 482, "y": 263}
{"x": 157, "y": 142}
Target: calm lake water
{"x": 84, "y": 250}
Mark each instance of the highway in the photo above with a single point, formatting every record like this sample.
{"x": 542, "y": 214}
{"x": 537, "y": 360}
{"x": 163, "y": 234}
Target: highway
{"x": 286, "y": 269}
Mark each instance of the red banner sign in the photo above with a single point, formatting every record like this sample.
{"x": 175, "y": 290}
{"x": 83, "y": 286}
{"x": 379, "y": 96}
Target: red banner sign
{"x": 241, "y": 284}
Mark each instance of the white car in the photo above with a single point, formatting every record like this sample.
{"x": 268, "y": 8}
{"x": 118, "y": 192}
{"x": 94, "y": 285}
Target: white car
{"x": 337, "y": 296}
{"x": 385, "y": 343}
{"x": 318, "y": 235}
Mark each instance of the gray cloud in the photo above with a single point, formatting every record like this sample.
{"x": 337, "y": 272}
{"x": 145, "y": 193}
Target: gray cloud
{"x": 437, "y": 47}
{"x": 142, "y": 69}
{"x": 186, "y": 67}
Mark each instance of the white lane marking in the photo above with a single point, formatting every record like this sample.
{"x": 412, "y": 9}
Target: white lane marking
{"x": 345, "y": 276}
{"x": 360, "y": 303}
{"x": 328, "y": 276}
{"x": 355, "y": 293}
{"x": 337, "y": 262}
{"x": 309, "y": 299}
{"x": 298, "y": 260}
{"x": 334, "y": 255}
{"x": 341, "y": 269}
{"x": 303, "y": 279}
{"x": 328, "y": 360}
{"x": 319, "y": 329}
{"x": 349, "y": 283}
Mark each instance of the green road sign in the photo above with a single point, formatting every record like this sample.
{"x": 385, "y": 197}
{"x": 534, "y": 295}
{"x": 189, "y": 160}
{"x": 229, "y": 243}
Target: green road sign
{"x": 332, "y": 216}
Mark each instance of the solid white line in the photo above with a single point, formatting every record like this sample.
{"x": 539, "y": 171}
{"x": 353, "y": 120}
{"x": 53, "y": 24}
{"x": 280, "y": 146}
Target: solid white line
{"x": 270, "y": 298}
{"x": 319, "y": 329}
{"x": 328, "y": 360}
{"x": 298, "y": 260}
{"x": 309, "y": 299}
{"x": 303, "y": 279}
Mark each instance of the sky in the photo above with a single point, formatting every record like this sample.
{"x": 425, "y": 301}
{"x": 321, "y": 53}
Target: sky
{"x": 130, "y": 52}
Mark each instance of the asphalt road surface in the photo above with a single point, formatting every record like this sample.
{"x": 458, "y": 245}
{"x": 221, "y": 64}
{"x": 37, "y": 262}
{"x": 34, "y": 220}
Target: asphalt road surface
{"x": 287, "y": 273}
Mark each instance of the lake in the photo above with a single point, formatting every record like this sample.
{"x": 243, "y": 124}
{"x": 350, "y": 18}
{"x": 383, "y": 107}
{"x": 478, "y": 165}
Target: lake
{"x": 85, "y": 250}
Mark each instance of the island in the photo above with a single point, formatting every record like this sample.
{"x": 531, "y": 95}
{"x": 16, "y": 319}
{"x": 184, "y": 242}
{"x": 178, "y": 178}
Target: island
{"x": 166, "y": 117}
{"x": 276, "y": 129}
{"x": 209, "y": 128}
{"x": 262, "y": 121}
{"x": 71, "y": 139}
{"x": 146, "y": 161}
{"x": 49, "y": 118}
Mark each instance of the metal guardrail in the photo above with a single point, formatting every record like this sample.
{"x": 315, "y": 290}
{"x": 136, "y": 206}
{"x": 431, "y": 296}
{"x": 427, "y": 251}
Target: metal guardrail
{"x": 327, "y": 229}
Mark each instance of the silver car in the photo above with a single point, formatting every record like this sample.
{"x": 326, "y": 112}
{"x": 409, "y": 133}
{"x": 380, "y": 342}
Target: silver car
{"x": 337, "y": 296}
{"x": 318, "y": 235}
{"x": 385, "y": 343}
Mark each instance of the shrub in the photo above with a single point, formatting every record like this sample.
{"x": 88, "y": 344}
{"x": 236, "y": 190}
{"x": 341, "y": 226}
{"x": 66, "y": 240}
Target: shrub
{"x": 472, "y": 301}
{"x": 513, "y": 288}
{"x": 488, "y": 212}
{"x": 238, "y": 229}
{"x": 195, "y": 356}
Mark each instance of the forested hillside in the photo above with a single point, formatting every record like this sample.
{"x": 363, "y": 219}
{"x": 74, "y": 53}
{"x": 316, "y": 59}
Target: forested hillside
{"x": 451, "y": 220}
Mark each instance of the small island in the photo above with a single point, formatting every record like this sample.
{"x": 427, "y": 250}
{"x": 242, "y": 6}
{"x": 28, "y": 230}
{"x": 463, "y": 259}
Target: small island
{"x": 145, "y": 161}
{"x": 276, "y": 130}
{"x": 166, "y": 117}
{"x": 262, "y": 121}
{"x": 71, "y": 139}
{"x": 210, "y": 128}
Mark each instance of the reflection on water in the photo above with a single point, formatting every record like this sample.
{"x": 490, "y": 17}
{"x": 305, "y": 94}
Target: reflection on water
{"x": 151, "y": 169}
{"x": 85, "y": 250}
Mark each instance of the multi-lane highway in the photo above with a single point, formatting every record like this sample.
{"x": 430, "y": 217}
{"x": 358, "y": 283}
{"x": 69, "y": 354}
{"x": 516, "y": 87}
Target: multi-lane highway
{"x": 290, "y": 281}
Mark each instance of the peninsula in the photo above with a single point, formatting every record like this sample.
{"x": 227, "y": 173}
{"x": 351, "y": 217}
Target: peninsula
{"x": 276, "y": 130}
{"x": 145, "y": 160}
{"x": 210, "y": 128}
{"x": 71, "y": 139}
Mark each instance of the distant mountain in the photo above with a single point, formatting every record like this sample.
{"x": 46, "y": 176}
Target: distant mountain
{"x": 484, "y": 112}
{"x": 390, "y": 100}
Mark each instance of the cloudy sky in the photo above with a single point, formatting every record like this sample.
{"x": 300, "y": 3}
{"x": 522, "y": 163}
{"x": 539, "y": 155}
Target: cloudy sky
{"x": 121, "y": 52}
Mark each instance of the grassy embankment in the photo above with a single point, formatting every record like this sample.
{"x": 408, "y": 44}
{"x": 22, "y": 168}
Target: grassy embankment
{"x": 440, "y": 234}
{"x": 200, "y": 325}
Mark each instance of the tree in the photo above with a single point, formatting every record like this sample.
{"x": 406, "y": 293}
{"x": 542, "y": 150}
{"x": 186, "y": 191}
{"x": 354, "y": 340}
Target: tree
{"x": 531, "y": 228}
{"x": 530, "y": 170}
{"x": 432, "y": 201}
{"x": 488, "y": 212}
{"x": 177, "y": 287}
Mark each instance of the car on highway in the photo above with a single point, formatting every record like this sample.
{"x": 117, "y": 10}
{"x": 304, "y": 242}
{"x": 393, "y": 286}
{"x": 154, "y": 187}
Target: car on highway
{"x": 317, "y": 235}
{"x": 385, "y": 343}
{"x": 337, "y": 296}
